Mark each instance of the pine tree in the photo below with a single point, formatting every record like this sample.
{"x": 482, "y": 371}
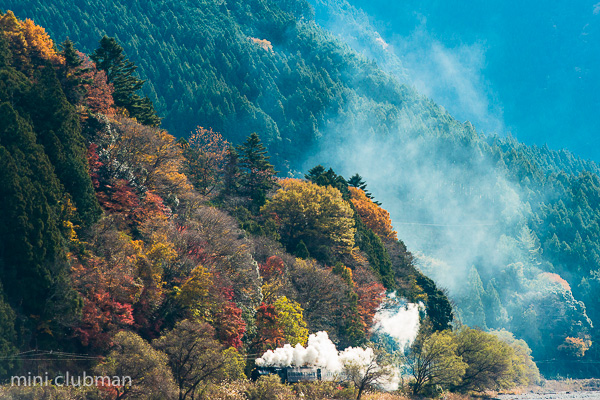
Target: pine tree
{"x": 58, "y": 130}
{"x": 258, "y": 174}
{"x": 5, "y": 54}
{"x": 321, "y": 177}
{"x": 109, "y": 57}
{"x": 473, "y": 310}
{"x": 30, "y": 193}
{"x": 496, "y": 316}
{"x": 72, "y": 75}
{"x": 301, "y": 250}
{"x": 438, "y": 308}
{"x": 69, "y": 52}
{"x": 357, "y": 181}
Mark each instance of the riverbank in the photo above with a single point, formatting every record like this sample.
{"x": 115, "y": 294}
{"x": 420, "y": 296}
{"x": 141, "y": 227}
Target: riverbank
{"x": 557, "y": 390}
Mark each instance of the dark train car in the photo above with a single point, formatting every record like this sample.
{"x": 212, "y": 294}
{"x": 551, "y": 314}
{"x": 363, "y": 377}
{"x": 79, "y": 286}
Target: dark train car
{"x": 295, "y": 374}
{"x": 303, "y": 374}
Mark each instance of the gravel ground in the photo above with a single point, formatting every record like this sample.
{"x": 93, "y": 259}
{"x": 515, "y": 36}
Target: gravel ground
{"x": 552, "y": 396}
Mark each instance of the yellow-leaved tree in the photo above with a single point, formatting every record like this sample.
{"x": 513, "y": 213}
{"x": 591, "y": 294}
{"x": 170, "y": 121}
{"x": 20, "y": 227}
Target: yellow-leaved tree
{"x": 314, "y": 215}
{"x": 148, "y": 156}
{"x": 290, "y": 318}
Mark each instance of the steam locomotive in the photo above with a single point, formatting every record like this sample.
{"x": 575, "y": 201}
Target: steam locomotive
{"x": 296, "y": 374}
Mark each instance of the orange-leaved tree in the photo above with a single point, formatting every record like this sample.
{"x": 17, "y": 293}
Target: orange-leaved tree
{"x": 376, "y": 218}
{"x": 272, "y": 273}
{"x": 107, "y": 282}
{"x": 149, "y": 158}
{"x": 29, "y": 43}
{"x": 39, "y": 42}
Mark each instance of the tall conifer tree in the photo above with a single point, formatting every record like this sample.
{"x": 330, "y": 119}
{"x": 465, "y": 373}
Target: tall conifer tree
{"x": 109, "y": 57}
{"x": 258, "y": 174}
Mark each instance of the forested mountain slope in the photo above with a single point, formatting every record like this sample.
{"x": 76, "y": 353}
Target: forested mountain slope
{"x": 115, "y": 235}
{"x": 519, "y": 224}
{"x": 237, "y": 67}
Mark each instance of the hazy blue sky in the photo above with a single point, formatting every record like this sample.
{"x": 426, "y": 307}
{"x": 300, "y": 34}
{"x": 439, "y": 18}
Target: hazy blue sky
{"x": 530, "y": 68}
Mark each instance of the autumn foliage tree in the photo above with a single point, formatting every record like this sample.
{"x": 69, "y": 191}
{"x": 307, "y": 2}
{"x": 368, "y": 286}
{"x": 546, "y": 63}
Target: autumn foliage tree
{"x": 370, "y": 297}
{"x": 272, "y": 273}
{"x": 290, "y": 318}
{"x": 357, "y": 181}
{"x": 98, "y": 93}
{"x": 201, "y": 299}
{"x": 146, "y": 158}
{"x": 195, "y": 357}
{"x": 269, "y": 333}
{"x": 314, "y": 214}
{"x": 29, "y": 43}
{"x": 322, "y": 295}
{"x": 373, "y": 216}
{"x": 216, "y": 242}
{"x": 206, "y": 154}
{"x": 107, "y": 282}
{"x": 133, "y": 357}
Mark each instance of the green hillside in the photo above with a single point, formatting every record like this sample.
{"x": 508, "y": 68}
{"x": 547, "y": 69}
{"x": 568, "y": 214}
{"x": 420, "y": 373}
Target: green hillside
{"x": 206, "y": 65}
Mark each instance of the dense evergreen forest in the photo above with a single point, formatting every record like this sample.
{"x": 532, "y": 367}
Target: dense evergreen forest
{"x": 237, "y": 67}
{"x": 512, "y": 231}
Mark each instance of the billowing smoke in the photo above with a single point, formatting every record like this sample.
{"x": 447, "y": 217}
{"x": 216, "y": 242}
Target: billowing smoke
{"x": 398, "y": 319}
{"x": 320, "y": 352}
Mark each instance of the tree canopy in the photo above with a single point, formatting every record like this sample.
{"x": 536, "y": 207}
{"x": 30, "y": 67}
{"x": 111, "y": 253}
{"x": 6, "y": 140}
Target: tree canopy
{"x": 314, "y": 214}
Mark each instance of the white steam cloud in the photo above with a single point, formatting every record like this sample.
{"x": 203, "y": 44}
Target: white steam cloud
{"x": 400, "y": 322}
{"x": 320, "y": 352}
{"x": 395, "y": 317}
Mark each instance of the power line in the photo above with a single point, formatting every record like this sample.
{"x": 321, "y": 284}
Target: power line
{"x": 447, "y": 225}
{"x": 34, "y": 355}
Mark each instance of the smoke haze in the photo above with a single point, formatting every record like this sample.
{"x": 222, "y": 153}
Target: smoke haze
{"x": 400, "y": 321}
{"x": 451, "y": 202}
